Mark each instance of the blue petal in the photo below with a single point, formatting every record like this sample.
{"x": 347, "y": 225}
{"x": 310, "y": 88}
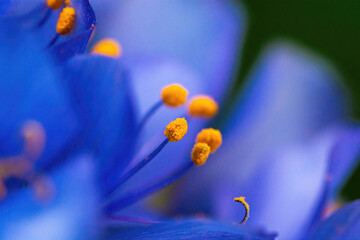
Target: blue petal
{"x": 201, "y": 34}
{"x": 30, "y": 90}
{"x": 193, "y": 229}
{"x": 76, "y": 42}
{"x": 100, "y": 94}
{"x": 38, "y": 18}
{"x": 71, "y": 214}
{"x": 344, "y": 224}
{"x": 342, "y": 159}
{"x": 275, "y": 149}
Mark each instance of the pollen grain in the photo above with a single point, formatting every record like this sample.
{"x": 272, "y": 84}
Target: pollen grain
{"x": 54, "y": 4}
{"x": 211, "y": 137}
{"x": 176, "y": 129}
{"x": 203, "y": 106}
{"x": 174, "y": 95}
{"x": 200, "y": 153}
{"x": 66, "y": 21}
{"x": 108, "y": 47}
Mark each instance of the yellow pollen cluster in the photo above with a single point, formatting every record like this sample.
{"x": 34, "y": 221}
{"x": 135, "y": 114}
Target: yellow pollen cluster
{"x": 66, "y": 21}
{"x": 200, "y": 153}
{"x": 108, "y": 47}
{"x": 67, "y": 2}
{"x": 176, "y": 130}
{"x": 203, "y": 106}
{"x": 174, "y": 95}
{"x": 246, "y": 205}
{"x": 211, "y": 137}
{"x": 54, "y": 4}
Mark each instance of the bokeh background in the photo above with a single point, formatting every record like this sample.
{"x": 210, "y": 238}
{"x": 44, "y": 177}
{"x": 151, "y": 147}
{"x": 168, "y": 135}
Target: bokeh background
{"x": 331, "y": 28}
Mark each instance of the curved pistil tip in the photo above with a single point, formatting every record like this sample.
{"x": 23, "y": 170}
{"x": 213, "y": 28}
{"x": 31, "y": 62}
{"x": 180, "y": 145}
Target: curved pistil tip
{"x": 247, "y": 208}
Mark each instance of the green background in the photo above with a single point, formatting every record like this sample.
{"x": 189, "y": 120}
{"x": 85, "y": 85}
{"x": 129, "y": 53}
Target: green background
{"x": 329, "y": 27}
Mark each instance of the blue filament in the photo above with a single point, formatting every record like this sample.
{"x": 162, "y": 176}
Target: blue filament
{"x": 134, "y": 197}
{"x": 148, "y": 115}
{"x": 53, "y": 40}
{"x": 44, "y": 19}
{"x": 138, "y": 166}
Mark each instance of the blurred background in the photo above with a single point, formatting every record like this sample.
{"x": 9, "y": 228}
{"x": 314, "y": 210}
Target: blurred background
{"x": 329, "y": 27}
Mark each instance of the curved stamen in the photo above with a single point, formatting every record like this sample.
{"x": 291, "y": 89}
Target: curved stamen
{"x": 247, "y": 208}
{"x": 149, "y": 114}
{"x": 138, "y": 166}
{"x": 134, "y": 197}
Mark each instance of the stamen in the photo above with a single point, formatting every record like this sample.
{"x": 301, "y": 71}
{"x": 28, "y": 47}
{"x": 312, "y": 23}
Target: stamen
{"x": 53, "y": 40}
{"x": 247, "y": 208}
{"x": 138, "y": 166}
{"x": 174, "y": 95}
{"x": 176, "y": 129}
{"x": 108, "y": 47}
{"x": 67, "y": 2}
{"x": 44, "y": 19}
{"x": 149, "y": 114}
{"x": 211, "y": 137}
{"x": 200, "y": 153}
{"x": 203, "y": 106}
{"x": 66, "y": 21}
{"x": 134, "y": 197}
{"x": 54, "y": 4}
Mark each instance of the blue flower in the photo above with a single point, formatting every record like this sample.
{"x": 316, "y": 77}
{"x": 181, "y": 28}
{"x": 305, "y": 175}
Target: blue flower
{"x": 69, "y": 133}
{"x": 82, "y": 136}
{"x": 38, "y": 17}
{"x": 288, "y": 141}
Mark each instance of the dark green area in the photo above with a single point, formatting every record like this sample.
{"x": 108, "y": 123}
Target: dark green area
{"x": 329, "y": 27}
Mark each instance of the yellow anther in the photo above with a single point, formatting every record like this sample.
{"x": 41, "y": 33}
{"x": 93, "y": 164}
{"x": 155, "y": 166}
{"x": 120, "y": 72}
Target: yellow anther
{"x": 247, "y": 208}
{"x": 66, "y": 21}
{"x": 54, "y": 4}
{"x": 176, "y": 129}
{"x": 203, "y": 106}
{"x": 108, "y": 47}
{"x": 211, "y": 137}
{"x": 200, "y": 153}
{"x": 67, "y": 2}
{"x": 174, "y": 95}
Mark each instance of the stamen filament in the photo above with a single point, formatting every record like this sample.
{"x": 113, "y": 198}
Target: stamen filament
{"x": 247, "y": 208}
{"x": 139, "y": 166}
{"x": 44, "y": 19}
{"x": 149, "y": 114}
{"x": 53, "y": 40}
{"x": 134, "y": 197}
